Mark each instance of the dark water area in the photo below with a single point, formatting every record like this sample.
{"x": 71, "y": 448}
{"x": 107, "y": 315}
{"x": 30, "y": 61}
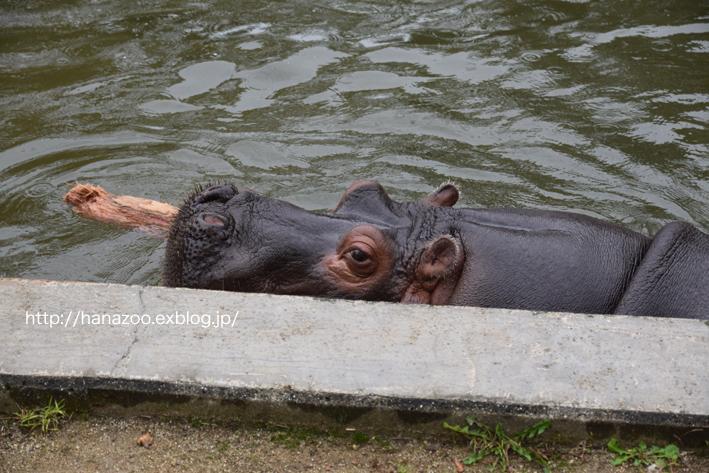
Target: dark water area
{"x": 598, "y": 107}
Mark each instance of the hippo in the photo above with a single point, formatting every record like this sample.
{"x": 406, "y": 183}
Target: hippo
{"x": 372, "y": 248}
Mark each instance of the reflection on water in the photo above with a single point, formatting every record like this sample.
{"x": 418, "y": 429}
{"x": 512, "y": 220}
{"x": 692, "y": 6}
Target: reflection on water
{"x": 597, "y": 107}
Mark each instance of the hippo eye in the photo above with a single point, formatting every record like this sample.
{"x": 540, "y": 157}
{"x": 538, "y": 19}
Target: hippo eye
{"x": 361, "y": 262}
{"x": 359, "y": 256}
{"x": 362, "y": 254}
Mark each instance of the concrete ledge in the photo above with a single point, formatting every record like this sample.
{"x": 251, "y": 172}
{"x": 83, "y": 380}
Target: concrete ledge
{"x": 348, "y": 361}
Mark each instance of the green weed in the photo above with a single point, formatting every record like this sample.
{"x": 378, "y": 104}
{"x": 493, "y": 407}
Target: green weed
{"x": 402, "y": 468}
{"x": 47, "y": 417}
{"x": 385, "y": 444}
{"x": 196, "y": 422}
{"x": 642, "y": 456}
{"x": 293, "y": 438}
{"x": 487, "y": 441}
{"x": 221, "y": 446}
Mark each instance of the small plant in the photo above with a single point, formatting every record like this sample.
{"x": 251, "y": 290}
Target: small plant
{"x": 359, "y": 437}
{"x": 642, "y": 456}
{"x": 196, "y": 422}
{"x": 288, "y": 439}
{"x": 46, "y": 417}
{"x": 221, "y": 446}
{"x": 293, "y": 438}
{"x": 487, "y": 441}
{"x": 385, "y": 444}
{"x": 403, "y": 468}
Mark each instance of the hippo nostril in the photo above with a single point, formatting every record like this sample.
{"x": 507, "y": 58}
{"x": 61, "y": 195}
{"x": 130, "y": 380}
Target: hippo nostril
{"x": 222, "y": 193}
{"x": 213, "y": 220}
{"x": 210, "y": 221}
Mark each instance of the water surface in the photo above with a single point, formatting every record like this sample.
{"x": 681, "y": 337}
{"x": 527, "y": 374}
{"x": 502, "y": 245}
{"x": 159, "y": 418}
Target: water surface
{"x": 598, "y": 107}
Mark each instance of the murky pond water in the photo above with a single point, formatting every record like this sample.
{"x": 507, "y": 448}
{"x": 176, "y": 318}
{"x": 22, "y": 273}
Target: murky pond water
{"x": 600, "y": 107}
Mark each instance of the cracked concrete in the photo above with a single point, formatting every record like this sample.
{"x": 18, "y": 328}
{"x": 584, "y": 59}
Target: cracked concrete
{"x": 127, "y": 355}
{"x": 304, "y": 351}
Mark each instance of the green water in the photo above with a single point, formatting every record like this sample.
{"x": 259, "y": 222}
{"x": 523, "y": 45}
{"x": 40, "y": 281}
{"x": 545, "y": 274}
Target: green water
{"x": 599, "y": 107}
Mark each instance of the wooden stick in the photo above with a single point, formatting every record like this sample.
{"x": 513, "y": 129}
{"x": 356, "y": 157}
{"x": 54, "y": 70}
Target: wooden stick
{"x": 142, "y": 215}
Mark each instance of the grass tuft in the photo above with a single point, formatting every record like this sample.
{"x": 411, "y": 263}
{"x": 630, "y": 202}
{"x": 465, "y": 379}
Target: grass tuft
{"x": 46, "y": 417}
{"x": 488, "y": 441}
{"x": 643, "y": 456}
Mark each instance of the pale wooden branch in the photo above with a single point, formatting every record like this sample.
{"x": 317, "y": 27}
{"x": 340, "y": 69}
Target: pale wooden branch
{"x": 142, "y": 215}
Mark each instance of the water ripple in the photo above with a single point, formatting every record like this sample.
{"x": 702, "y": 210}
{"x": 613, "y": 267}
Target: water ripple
{"x": 592, "y": 107}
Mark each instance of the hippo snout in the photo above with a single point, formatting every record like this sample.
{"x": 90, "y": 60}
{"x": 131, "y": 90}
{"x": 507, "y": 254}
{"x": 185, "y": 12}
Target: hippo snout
{"x": 219, "y": 193}
{"x": 212, "y": 220}
{"x": 212, "y": 225}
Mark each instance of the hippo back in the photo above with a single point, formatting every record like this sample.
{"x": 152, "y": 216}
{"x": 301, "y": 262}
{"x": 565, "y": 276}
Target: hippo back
{"x": 673, "y": 277}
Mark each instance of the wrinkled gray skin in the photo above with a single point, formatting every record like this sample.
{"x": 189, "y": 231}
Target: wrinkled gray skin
{"x": 370, "y": 247}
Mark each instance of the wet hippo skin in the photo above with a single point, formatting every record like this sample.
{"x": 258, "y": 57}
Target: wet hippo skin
{"x": 372, "y": 248}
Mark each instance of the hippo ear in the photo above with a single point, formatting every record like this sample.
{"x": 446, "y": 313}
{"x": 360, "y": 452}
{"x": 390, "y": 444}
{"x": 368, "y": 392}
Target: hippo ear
{"x": 367, "y": 200}
{"x": 445, "y": 196}
{"x": 439, "y": 259}
{"x": 436, "y": 275}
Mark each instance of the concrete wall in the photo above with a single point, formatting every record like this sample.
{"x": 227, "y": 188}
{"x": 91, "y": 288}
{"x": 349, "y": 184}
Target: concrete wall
{"x": 349, "y": 362}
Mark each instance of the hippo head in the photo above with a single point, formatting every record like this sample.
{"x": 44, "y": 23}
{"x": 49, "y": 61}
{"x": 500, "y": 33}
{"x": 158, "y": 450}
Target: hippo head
{"x": 369, "y": 247}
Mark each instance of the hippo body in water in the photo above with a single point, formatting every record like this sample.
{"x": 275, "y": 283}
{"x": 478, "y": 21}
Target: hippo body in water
{"x": 372, "y": 248}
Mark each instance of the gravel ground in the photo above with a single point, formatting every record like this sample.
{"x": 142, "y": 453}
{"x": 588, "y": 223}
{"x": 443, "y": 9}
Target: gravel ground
{"x": 105, "y": 444}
